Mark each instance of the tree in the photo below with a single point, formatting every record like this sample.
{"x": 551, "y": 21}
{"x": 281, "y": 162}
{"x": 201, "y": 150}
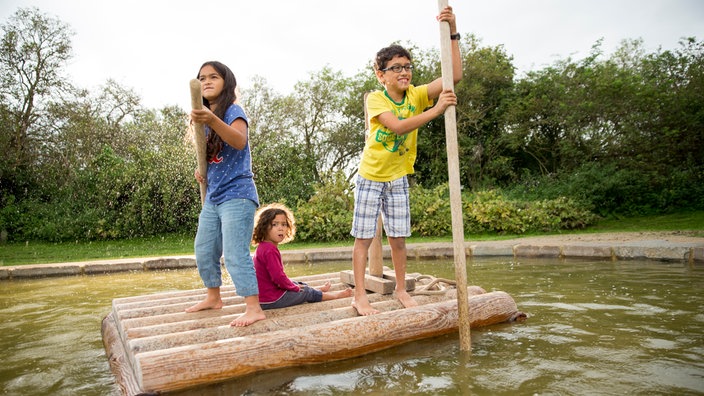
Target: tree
{"x": 320, "y": 124}
{"x": 282, "y": 171}
{"x": 298, "y": 140}
{"x": 483, "y": 95}
{"x": 33, "y": 52}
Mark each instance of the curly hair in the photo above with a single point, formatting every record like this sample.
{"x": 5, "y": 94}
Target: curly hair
{"x": 266, "y": 215}
{"x": 222, "y": 103}
{"x": 386, "y": 54}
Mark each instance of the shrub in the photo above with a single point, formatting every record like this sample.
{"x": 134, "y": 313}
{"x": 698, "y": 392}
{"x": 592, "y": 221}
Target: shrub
{"x": 431, "y": 213}
{"x": 327, "y": 215}
{"x": 491, "y": 211}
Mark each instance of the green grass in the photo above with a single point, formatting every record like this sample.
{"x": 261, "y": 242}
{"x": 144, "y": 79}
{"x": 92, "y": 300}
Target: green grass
{"x": 172, "y": 245}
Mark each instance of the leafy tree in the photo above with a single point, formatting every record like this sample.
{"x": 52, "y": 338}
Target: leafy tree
{"x": 483, "y": 94}
{"x": 282, "y": 171}
{"x": 319, "y": 122}
{"x": 623, "y": 132}
{"x": 33, "y": 51}
{"x": 299, "y": 138}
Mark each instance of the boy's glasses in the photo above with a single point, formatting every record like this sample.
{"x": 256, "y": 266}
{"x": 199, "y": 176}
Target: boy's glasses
{"x": 398, "y": 68}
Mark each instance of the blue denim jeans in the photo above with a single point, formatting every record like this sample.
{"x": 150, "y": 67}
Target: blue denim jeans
{"x": 226, "y": 230}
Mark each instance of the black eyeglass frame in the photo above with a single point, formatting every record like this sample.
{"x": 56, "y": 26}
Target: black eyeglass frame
{"x": 398, "y": 68}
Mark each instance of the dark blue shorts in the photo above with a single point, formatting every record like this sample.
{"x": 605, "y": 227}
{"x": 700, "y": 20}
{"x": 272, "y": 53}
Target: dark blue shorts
{"x": 291, "y": 298}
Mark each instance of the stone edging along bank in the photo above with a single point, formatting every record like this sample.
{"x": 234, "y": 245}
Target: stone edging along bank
{"x": 690, "y": 251}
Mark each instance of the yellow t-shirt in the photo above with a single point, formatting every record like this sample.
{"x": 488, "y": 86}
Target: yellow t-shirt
{"x": 387, "y": 156}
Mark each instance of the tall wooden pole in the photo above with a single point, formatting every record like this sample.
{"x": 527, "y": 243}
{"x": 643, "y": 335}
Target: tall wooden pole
{"x": 376, "y": 256}
{"x": 453, "y": 169}
{"x": 199, "y": 132}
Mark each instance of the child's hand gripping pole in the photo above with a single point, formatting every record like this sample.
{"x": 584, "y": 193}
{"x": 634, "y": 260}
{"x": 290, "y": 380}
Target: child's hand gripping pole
{"x": 199, "y": 132}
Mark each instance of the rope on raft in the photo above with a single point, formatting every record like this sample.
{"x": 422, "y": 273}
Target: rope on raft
{"x": 438, "y": 284}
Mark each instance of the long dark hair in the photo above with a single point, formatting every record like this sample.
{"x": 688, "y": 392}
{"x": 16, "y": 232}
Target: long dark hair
{"x": 222, "y": 103}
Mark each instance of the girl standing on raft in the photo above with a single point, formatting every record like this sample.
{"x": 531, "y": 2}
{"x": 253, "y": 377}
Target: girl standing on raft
{"x": 227, "y": 217}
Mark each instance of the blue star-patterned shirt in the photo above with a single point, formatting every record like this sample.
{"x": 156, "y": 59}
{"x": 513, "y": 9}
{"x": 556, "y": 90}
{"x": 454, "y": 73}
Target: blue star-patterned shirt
{"x": 230, "y": 171}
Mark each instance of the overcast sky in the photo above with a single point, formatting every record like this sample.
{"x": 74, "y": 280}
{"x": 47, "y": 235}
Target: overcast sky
{"x": 156, "y": 46}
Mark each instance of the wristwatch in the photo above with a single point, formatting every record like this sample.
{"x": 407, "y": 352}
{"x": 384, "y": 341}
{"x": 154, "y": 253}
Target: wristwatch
{"x": 455, "y": 36}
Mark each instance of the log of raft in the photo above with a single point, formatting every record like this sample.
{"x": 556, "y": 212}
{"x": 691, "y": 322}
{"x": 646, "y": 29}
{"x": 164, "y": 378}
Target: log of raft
{"x": 153, "y": 346}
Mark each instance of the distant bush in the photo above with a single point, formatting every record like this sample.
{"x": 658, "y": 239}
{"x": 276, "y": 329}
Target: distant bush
{"x": 431, "y": 213}
{"x": 610, "y": 190}
{"x": 491, "y": 211}
{"x": 327, "y": 215}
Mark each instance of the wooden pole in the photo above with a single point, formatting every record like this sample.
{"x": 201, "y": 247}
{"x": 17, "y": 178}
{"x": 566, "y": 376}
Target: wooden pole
{"x": 199, "y": 132}
{"x": 453, "y": 170}
{"x": 376, "y": 257}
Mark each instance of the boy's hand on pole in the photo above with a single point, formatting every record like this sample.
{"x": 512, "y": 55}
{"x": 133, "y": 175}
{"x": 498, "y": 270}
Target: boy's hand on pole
{"x": 446, "y": 99}
{"x": 448, "y": 16}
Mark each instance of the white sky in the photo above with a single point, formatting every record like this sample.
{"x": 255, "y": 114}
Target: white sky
{"x": 156, "y": 46}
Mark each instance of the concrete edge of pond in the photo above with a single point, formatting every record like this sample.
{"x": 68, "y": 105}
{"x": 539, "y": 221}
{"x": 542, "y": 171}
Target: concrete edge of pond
{"x": 672, "y": 247}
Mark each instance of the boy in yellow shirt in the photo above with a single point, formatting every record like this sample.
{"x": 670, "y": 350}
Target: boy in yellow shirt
{"x": 395, "y": 114}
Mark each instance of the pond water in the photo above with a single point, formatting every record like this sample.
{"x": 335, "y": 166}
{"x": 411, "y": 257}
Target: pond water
{"x": 593, "y": 327}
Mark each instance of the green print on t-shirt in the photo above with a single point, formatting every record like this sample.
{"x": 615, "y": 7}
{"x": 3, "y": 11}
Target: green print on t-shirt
{"x": 391, "y": 141}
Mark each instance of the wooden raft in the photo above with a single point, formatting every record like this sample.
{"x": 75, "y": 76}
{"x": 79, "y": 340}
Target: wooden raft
{"x": 153, "y": 346}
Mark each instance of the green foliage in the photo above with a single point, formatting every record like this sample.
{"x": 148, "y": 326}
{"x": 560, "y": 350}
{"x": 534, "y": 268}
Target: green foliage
{"x": 622, "y": 134}
{"x": 34, "y": 49}
{"x": 327, "y": 216}
{"x": 282, "y": 173}
{"x": 609, "y": 135}
{"x": 431, "y": 214}
{"x": 492, "y": 211}
{"x": 611, "y": 190}
{"x": 112, "y": 198}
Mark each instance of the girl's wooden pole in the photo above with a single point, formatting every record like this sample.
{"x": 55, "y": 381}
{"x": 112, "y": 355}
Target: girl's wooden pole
{"x": 199, "y": 132}
{"x": 453, "y": 169}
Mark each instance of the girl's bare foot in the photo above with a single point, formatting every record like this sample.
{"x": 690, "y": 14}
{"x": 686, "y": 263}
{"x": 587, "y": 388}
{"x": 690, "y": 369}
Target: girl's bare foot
{"x": 325, "y": 287}
{"x": 344, "y": 293}
{"x": 337, "y": 294}
{"x": 248, "y": 318}
{"x": 205, "y": 304}
{"x": 406, "y": 299}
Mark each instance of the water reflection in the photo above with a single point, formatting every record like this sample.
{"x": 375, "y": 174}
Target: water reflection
{"x": 593, "y": 328}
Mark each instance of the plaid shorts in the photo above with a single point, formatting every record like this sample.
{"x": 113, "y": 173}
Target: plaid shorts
{"x": 392, "y": 198}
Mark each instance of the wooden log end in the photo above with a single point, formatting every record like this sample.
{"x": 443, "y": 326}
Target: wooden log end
{"x": 371, "y": 283}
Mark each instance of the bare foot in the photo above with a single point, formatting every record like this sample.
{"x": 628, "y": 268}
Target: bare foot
{"x": 406, "y": 299}
{"x": 205, "y": 304}
{"x": 341, "y": 293}
{"x": 345, "y": 293}
{"x": 363, "y": 307}
{"x": 248, "y": 318}
{"x": 325, "y": 287}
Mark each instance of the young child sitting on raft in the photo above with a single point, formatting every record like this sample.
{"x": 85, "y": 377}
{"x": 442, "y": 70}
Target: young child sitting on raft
{"x": 274, "y": 224}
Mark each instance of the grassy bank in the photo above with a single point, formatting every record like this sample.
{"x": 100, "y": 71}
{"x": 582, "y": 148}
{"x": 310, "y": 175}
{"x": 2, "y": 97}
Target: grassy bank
{"x": 168, "y": 245}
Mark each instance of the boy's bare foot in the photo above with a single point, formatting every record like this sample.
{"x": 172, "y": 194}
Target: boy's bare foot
{"x": 364, "y": 308}
{"x": 205, "y": 304}
{"x": 406, "y": 299}
{"x": 248, "y": 318}
{"x": 325, "y": 287}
